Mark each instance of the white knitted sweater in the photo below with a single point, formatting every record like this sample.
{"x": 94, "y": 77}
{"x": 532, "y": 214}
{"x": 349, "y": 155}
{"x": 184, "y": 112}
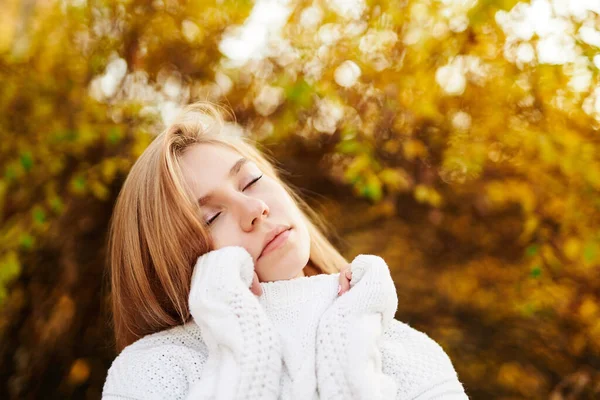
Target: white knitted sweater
{"x": 298, "y": 340}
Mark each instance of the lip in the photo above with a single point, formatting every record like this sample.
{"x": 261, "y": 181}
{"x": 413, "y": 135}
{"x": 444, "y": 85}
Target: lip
{"x": 275, "y": 239}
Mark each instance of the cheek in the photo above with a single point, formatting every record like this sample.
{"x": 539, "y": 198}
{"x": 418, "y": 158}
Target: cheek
{"x": 293, "y": 211}
{"x": 295, "y": 217}
{"x": 224, "y": 234}
{"x": 219, "y": 241}
{"x": 278, "y": 199}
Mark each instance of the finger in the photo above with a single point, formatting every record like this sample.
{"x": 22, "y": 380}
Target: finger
{"x": 348, "y": 274}
{"x": 344, "y": 281}
{"x": 255, "y": 287}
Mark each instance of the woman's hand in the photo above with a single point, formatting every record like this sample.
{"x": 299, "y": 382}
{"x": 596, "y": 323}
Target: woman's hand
{"x": 220, "y": 273}
{"x": 345, "y": 277}
{"x": 244, "y": 352}
{"x": 223, "y": 271}
{"x": 255, "y": 287}
{"x": 350, "y": 331}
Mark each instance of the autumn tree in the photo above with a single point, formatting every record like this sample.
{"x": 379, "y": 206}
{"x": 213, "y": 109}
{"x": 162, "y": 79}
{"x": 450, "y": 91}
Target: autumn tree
{"x": 457, "y": 139}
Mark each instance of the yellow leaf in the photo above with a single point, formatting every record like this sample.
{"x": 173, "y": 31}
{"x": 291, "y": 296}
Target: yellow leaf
{"x": 588, "y": 310}
{"x": 79, "y": 373}
{"x": 395, "y": 179}
{"x": 414, "y": 148}
{"x": 425, "y": 194}
{"x": 531, "y": 224}
{"x": 109, "y": 168}
{"x": 99, "y": 190}
{"x": 572, "y": 248}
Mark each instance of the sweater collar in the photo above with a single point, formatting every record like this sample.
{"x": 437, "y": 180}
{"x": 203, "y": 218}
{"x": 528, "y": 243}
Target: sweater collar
{"x": 309, "y": 294}
{"x": 321, "y": 288}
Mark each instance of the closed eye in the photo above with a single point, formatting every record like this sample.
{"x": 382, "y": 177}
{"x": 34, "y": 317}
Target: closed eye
{"x": 211, "y": 220}
{"x": 252, "y": 182}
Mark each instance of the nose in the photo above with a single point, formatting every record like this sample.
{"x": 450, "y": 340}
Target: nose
{"x": 254, "y": 210}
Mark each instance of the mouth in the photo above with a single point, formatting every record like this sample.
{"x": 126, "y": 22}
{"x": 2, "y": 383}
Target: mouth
{"x": 279, "y": 240}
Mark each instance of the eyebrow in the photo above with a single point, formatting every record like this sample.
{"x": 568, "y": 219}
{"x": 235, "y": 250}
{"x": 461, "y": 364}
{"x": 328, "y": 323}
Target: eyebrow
{"x": 232, "y": 172}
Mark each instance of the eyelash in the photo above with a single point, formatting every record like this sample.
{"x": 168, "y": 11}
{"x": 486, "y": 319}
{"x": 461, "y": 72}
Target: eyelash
{"x": 252, "y": 182}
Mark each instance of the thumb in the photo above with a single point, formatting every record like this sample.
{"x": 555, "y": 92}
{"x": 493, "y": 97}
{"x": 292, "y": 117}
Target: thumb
{"x": 255, "y": 287}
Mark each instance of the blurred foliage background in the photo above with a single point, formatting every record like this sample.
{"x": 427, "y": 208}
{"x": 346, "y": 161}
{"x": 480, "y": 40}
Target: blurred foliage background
{"x": 458, "y": 139}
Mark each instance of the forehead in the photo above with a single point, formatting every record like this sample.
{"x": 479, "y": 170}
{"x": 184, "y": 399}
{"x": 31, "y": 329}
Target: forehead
{"x": 205, "y": 165}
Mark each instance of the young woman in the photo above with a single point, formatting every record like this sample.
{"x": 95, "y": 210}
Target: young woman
{"x": 224, "y": 287}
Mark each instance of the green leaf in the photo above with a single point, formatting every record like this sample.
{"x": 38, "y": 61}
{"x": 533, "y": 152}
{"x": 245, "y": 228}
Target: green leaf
{"x": 348, "y": 147}
{"x": 67, "y": 135}
{"x": 10, "y": 173}
{"x": 355, "y": 179}
{"x": 27, "y": 241}
{"x": 529, "y": 309}
{"x": 300, "y": 94}
{"x": 532, "y": 250}
{"x": 590, "y": 252}
{"x": 78, "y": 184}
{"x": 372, "y": 190}
{"x": 536, "y": 272}
{"x": 39, "y": 216}
{"x": 26, "y": 161}
{"x": 57, "y": 205}
{"x": 114, "y": 135}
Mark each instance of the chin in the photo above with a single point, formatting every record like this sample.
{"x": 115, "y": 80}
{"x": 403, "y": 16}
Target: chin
{"x": 286, "y": 266}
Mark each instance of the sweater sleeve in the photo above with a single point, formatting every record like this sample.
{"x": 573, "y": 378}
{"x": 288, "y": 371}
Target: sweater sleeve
{"x": 349, "y": 359}
{"x": 244, "y": 354}
{"x": 420, "y": 367}
{"x": 155, "y": 372}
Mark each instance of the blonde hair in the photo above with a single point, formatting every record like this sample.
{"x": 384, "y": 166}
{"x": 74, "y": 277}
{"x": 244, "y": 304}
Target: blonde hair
{"x": 156, "y": 232}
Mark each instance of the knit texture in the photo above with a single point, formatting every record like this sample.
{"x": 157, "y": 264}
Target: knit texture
{"x": 298, "y": 340}
{"x": 295, "y": 307}
{"x": 349, "y": 364}
{"x": 244, "y": 359}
